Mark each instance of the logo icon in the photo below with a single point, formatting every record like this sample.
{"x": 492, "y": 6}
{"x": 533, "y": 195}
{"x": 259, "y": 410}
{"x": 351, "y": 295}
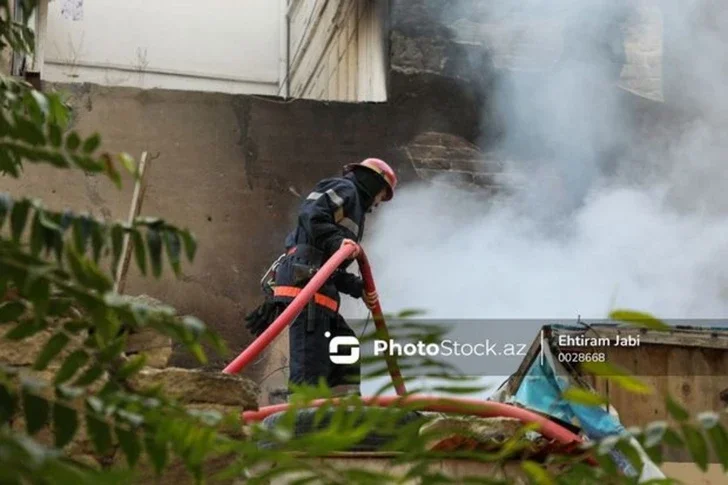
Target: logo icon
{"x": 343, "y": 341}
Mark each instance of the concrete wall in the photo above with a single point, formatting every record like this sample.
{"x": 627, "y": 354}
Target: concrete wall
{"x": 218, "y": 45}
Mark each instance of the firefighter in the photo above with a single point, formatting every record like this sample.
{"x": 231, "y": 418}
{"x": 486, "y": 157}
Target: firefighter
{"x": 330, "y": 217}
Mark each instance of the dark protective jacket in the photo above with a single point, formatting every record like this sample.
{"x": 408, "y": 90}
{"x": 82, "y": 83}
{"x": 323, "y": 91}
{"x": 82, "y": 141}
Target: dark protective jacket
{"x": 333, "y": 211}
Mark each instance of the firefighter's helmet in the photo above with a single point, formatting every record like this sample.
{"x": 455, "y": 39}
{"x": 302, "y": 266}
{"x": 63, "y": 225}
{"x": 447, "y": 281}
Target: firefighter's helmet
{"x": 380, "y": 167}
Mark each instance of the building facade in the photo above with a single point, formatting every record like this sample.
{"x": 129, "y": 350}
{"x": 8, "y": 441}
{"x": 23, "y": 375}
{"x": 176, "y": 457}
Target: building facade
{"x": 312, "y": 49}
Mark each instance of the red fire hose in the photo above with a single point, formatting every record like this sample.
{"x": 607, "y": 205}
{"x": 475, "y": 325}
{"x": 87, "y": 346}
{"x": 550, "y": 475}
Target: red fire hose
{"x": 383, "y": 333}
{"x": 302, "y": 299}
{"x": 472, "y": 407}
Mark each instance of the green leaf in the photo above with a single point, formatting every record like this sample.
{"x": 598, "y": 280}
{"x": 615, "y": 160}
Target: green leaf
{"x": 39, "y": 292}
{"x": 630, "y": 452}
{"x": 197, "y": 351}
{"x": 536, "y": 473}
{"x": 6, "y": 205}
{"x": 25, "y": 329}
{"x": 174, "y": 248}
{"x": 190, "y": 244}
{"x": 110, "y": 170}
{"x": 708, "y": 419}
{"x": 59, "y": 112}
{"x": 100, "y": 433}
{"x": 584, "y": 397}
{"x": 50, "y": 350}
{"x": 157, "y": 451}
{"x": 19, "y": 218}
{"x": 638, "y": 319}
{"x": 87, "y": 273}
{"x": 90, "y": 375}
{"x": 97, "y": 239}
{"x": 140, "y": 254}
{"x": 55, "y": 135}
{"x": 91, "y": 143}
{"x": 719, "y": 440}
{"x": 676, "y": 410}
{"x": 36, "y": 235}
{"x": 58, "y": 307}
{"x": 194, "y": 325}
{"x": 132, "y": 366}
{"x": 42, "y": 103}
{"x": 78, "y": 268}
{"x": 81, "y": 232}
{"x": 64, "y": 392}
{"x": 8, "y": 404}
{"x": 9, "y": 163}
{"x": 130, "y": 445}
{"x": 673, "y": 439}
{"x": 36, "y": 411}
{"x": 65, "y": 424}
{"x": 128, "y": 162}
{"x": 617, "y": 375}
{"x": 29, "y": 132}
{"x": 11, "y": 311}
{"x": 76, "y": 326}
{"x": 154, "y": 243}
{"x": 409, "y": 313}
{"x": 117, "y": 243}
{"x": 113, "y": 349}
{"x": 52, "y": 233}
{"x": 73, "y": 141}
{"x": 654, "y": 433}
{"x": 70, "y": 366}
{"x": 695, "y": 442}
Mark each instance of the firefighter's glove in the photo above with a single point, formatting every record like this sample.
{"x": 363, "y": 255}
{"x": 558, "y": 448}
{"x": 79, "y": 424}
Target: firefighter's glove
{"x": 348, "y": 283}
{"x": 370, "y": 299}
{"x": 260, "y": 319}
{"x": 350, "y": 242}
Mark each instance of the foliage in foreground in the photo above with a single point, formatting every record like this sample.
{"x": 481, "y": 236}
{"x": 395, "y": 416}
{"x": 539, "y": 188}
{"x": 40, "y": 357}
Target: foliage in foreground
{"x": 58, "y": 268}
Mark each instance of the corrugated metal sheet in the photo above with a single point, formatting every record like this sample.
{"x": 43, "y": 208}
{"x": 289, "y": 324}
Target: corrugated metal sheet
{"x": 338, "y": 50}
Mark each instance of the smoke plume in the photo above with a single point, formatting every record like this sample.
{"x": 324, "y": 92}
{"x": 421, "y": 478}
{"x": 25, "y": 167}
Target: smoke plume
{"x": 613, "y": 115}
{"x": 601, "y": 211}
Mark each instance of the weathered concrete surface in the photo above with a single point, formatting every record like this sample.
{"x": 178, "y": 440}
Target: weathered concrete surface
{"x": 458, "y": 433}
{"x": 191, "y": 386}
{"x": 474, "y": 40}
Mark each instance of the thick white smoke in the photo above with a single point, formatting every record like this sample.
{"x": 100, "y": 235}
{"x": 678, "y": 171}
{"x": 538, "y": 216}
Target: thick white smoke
{"x": 578, "y": 237}
{"x": 593, "y": 228}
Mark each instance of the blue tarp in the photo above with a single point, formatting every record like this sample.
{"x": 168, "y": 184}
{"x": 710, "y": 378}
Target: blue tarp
{"x": 541, "y": 390}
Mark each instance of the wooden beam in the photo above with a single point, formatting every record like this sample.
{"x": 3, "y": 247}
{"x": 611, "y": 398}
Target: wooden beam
{"x": 708, "y": 338}
{"x": 140, "y": 187}
{"x": 534, "y": 352}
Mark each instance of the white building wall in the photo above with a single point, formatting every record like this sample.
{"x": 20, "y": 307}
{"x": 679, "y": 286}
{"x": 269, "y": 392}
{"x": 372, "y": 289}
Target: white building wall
{"x": 230, "y": 46}
{"x": 338, "y": 50}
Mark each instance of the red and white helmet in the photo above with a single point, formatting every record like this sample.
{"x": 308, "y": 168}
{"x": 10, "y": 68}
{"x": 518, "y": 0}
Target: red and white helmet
{"x": 382, "y": 168}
